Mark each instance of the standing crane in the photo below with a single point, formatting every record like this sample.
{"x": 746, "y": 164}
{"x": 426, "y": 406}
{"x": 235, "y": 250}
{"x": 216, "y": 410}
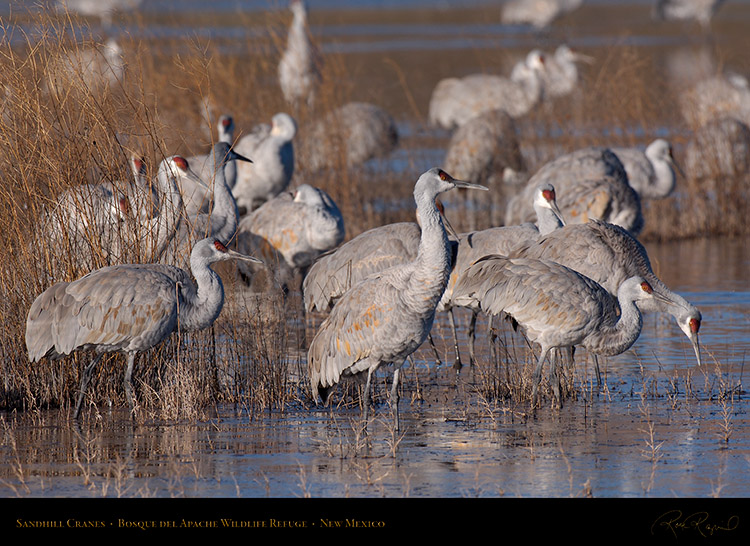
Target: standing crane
{"x": 455, "y": 101}
{"x": 609, "y": 255}
{"x": 651, "y": 173}
{"x": 299, "y": 68}
{"x": 272, "y": 151}
{"x": 299, "y": 226}
{"x": 127, "y": 308}
{"x": 591, "y": 183}
{"x": 498, "y": 240}
{"x": 557, "y": 306}
{"x": 386, "y": 317}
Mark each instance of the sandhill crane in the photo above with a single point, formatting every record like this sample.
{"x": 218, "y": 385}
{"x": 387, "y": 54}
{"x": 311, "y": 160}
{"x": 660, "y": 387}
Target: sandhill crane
{"x": 387, "y": 316}
{"x": 481, "y": 151}
{"x": 299, "y": 225}
{"x": 561, "y": 71}
{"x": 87, "y": 69}
{"x": 347, "y": 136}
{"x": 197, "y": 199}
{"x": 103, "y": 9}
{"x": 538, "y": 13}
{"x": 720, "y": 148}
{"x": 299, "y": 68}
{"x": 701, "y": 11}
{"x": 651, "y": 173}
{"x": 557, "y": 306}
{"x": 498, "y": 240}
{"x": 590, "y": 183}
{"x": 455, "y": 101}
{"x": 95, "y": 221}
{"x": 609, "y": 255}
{"x": 715, "y": 97}
{"x": 272, "y": 151}
{"x": 126, "y": 308}
{"x": 223, "y": 220}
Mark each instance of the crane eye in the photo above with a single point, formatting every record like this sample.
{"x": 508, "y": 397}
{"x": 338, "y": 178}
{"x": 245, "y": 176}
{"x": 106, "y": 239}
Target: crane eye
{"x": 646, "y": 287}
{"x": 181, "y": 162}
{"x": 444, "y": 176}
{"x": 220, "y": 246}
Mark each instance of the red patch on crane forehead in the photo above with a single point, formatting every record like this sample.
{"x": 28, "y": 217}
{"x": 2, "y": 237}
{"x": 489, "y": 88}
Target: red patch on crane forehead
{"x": 220, "y": 246}
{"x": 646, "y": 287}
{"x": 226, "y": 122}
{"x": 695, "y": 325}
{"x": 138, "y": 163}
{"x": 181, "y": 162}
{"x": 549, "y": 195}
{"x": 124, "y": 204}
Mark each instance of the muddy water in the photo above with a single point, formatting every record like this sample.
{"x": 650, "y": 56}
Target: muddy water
{"x": 662, "y": 429}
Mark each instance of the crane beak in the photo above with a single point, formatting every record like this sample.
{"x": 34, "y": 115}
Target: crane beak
{"x": 588, "y": 59}
{"x": 233, "y": 254}
{"x": 234, "y": 156}
{"x": 469, "y": 185}
{"x": 676, "y": 166}
{"x": 696, "y": 347}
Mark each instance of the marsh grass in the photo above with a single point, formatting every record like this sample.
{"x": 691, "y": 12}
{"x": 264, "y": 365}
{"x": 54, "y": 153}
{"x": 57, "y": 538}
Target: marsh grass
{"x": 81, "y": 130}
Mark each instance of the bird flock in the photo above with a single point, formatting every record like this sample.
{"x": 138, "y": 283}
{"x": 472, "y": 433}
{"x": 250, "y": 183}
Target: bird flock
{"x": 562, "y": 260}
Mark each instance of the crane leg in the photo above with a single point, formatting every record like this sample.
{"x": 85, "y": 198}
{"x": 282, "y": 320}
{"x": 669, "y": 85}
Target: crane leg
{"x": 394, "y": 396}
{"x": 457, "y": 365}
{"x": 538, "y": 376}
{"x": 472, "y": 335}
{"x": 434, "y": 348}
{"x": 366, "y": 394}
{"x": 85, "y": 379}
{"x": 128, "y": 382}
{"x": 598, "y": 373}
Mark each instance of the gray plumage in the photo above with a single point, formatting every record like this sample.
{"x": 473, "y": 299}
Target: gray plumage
{"x": 483, "y": 150}
{"x": 272, "y": 150}
{"x": 198, "y": 197}
{"x": 455, "y": 101}
{"x": 591, "y": 183}
{"x": 561, "y": 71}
{"x": 720, "y": 148}
{"x": 387, "y": 316}
{"x": 372, "y": 251}
{"x": 609, "y": 255}
{"x": 557, "y": 306}
{"x": 701, "y": 11}
{"x": 299, "y": 68}
{"x": 651, "y": 173}
{"x": 498, "y": 240}
{"x": 538, "y": 13}
{"x": 126, "y": 308}
{"x": 715, "y": 97}
{"x": 299, "y": 226}
{"x": 221, "y": 222}
{"x": 347, "y": 137}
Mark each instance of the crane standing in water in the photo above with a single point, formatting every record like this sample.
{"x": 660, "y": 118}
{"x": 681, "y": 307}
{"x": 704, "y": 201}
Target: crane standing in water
{"x": 556, "y": 306}
{"x": 387, "y": 316}
{"x": 127, "y": 308}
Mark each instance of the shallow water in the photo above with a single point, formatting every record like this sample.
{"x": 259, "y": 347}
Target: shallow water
{"x": 663, "y": 428}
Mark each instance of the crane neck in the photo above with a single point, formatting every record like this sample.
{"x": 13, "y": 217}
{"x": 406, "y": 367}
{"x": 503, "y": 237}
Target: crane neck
{"x": 205, "y": 306}
{"x": 167, "y": 222}
{"x": 225, "y": 206}
{"x": 433, "y": 256}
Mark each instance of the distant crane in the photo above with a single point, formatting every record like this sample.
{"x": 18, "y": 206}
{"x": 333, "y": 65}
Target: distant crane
{"x": 701, "y": 11}
{"x": 590, "y": 183}
{"x": 455, "y": 101}
{"x": 557, "y": 306}
{"x": 127, "y": 308}
{"x": 347, "y": 137}
{"x": 386, "y": 317}
{"x": 299, "y": 68}
{"x": 538, "y": 13}
{"x": 651, "y": 173}
{"x": 272, "y": 150}
{"x": 299, "y": 226}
